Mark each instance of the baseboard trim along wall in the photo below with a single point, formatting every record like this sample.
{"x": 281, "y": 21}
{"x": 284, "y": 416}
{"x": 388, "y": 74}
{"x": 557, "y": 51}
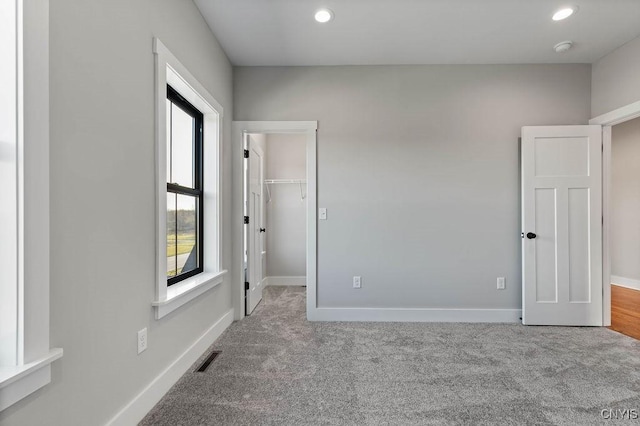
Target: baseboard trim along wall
{"x": 625, "y": 282}
{"x": 415, "y": 315}
{"x": 293, "y": 281}
{"x": 142, "y": 403}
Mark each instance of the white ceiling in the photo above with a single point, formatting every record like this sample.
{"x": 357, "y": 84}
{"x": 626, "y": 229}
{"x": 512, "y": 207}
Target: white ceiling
{"x": 283, "y": 32}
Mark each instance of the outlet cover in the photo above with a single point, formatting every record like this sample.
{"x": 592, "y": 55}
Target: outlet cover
{"x": 357, "y": 282}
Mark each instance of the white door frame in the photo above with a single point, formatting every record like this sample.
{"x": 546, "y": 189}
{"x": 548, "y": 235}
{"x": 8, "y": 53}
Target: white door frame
{"x": 239, "y": 129}
{"x": 608, "y": 120}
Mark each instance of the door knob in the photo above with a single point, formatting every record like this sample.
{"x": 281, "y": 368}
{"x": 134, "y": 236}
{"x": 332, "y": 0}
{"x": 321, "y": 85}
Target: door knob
{"x": 531, "y": 235}
{"x": 263, "y": 230}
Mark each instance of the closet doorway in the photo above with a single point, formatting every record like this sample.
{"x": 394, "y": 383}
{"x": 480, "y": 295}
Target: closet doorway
{"x": 275, "y": 212}
{"x": 278, "y": 221}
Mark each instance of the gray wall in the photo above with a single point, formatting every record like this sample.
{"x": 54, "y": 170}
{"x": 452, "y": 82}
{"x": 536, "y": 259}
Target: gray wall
{"x": 102, "y": 204}
{"x": 286, "y": 212}
{"x": 625, "y": 200}
{"x": 616, "y": 79}
{"x": 418, "y": 167}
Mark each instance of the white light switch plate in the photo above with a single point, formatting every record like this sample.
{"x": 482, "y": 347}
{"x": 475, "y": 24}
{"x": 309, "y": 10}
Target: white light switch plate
{"x": 142, "y": 340}
{"x": 502, "y": 283}
{"x": 322, "y": 213}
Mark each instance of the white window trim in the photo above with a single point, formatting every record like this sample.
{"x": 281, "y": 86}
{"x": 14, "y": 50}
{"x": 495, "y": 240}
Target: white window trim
{"x": 32, "y": 369}
{"x": 170, "y": 71}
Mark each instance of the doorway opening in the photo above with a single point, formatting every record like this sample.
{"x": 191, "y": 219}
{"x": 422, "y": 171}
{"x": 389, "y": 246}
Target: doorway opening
{"x": 275, "y": 212}
{"x": 275, "y": 204}
{"x": 624, "y": 242}
{"x": 608, "y": 121}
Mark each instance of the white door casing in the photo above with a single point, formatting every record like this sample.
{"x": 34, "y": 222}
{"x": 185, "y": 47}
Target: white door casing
{"x": 256, "y": 208}
{"x": 562, "y": 225}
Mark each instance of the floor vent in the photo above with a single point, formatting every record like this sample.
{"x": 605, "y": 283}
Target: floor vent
{"x": 205, "y": 364}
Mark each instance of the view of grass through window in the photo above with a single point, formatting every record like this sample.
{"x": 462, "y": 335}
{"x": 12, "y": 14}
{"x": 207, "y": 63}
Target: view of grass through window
{"x": 181, "y": 235}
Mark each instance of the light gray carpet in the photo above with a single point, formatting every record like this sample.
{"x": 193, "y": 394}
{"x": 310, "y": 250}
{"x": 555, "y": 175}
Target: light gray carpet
{"x": 278, "y": 369}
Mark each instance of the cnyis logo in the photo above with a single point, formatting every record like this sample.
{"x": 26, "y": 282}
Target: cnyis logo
{"x": 620, "y": 414}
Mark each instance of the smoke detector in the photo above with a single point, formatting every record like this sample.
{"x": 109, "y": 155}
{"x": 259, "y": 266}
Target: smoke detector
{"x": 563, "y": 46}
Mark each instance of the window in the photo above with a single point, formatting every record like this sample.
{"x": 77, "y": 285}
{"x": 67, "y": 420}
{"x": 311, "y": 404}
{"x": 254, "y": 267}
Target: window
{"x": 25, "y": 354}
{"x": 184, "y": 188}
{"x": 188, "y": 129}
{"x": 8, "y": 184}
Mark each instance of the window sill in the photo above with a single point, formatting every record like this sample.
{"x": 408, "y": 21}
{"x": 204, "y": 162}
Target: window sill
{"x": 20, "y": 381}
{"x": 187, "y": 290}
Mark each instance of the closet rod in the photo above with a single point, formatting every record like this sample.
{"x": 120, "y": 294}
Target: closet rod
{"x": 271, "y": 181}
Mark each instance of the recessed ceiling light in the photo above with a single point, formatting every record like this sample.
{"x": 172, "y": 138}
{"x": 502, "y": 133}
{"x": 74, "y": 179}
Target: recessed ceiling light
{"x": 563, "y": 13}
{"x": 324, "y": 15}
{"x": 563, "y": 46}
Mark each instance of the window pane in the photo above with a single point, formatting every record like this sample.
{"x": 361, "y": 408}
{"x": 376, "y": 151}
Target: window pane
{"x": 8, "y": 184}
{"x": 182, "y": 145}
{"x": 186, "y": 234}
{"x": 171, "y": 235}
{"x": 169, "y": 141}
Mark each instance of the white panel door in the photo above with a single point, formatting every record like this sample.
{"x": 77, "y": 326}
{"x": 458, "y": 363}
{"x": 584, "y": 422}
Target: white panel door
{"x": 562, "y": 225}
{"x": 255, "y": 228}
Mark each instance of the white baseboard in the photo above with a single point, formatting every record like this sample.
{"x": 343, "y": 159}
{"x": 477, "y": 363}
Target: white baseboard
{"x": 415, "y": 315}
{"x": 293, "y": 281}
{"x": 625, "y": 282}
{"x": 142, "y": 403}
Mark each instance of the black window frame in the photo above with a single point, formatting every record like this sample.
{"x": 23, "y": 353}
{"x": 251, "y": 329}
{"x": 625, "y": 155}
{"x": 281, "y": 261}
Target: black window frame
{"x": 197, "y": 191}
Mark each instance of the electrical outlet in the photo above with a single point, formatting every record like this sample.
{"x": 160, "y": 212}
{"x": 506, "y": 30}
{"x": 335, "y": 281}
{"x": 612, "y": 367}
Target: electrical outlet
{"x": 142, "y": 340}
{"x": 502, "y": 283}
{"x": 357, "y": 282}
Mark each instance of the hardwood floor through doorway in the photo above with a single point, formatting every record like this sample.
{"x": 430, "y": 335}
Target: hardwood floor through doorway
{"x": 625, "y": 311}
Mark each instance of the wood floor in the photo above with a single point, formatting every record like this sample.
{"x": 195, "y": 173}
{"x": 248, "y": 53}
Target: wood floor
{"x": 625, "y": 311}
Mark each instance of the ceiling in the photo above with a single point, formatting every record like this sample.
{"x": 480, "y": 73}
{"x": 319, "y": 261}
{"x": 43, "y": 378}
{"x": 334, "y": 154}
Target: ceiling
{"x": 284, "y": 32}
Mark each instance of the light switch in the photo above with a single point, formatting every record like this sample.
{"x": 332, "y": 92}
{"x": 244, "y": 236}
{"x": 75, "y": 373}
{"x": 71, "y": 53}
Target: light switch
{"x": 502, "y": 284}
{"x": 322, "y": 212}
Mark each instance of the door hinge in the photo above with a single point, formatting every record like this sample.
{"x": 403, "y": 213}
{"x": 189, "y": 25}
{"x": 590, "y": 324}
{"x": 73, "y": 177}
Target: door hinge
{"x": 246, "y": 153}
{"x": 246, "y": 220}
{"x": 246, "y": 285}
